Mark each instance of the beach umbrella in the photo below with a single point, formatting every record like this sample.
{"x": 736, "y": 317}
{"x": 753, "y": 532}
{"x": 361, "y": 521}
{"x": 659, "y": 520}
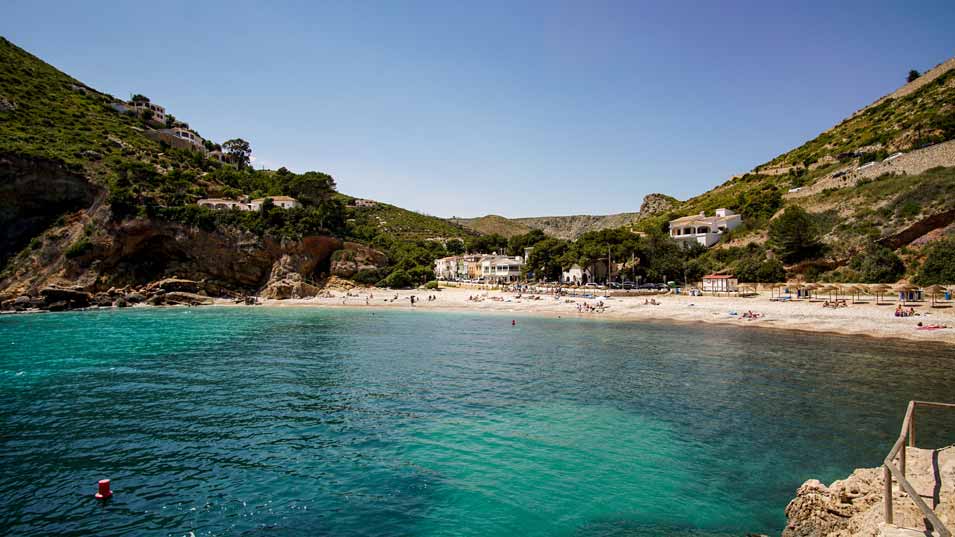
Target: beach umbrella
{"x": 878, "y": 290}
{"x": 812, "y": 287}
{"x": 934, "y": 290}
{"x": 774, "y": 286}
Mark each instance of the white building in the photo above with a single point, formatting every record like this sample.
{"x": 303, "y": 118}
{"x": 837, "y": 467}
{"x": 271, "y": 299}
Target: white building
{"x": 223, "y": 203}
{"x": 702, "y": 229}
{"x": 283, "y": 202}
{"x": 159, "y": 113}
{"x": 446, "y": 268}
{"x": 720, "y": 283}
{"x": 187, "y": 135}
{"x": 501, "y": 269}
{"x": 578, "y": 275}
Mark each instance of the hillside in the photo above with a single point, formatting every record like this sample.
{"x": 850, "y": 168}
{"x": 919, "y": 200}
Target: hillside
{"x": 852, "y": 177}
{"x": 95, "y": 194}
{"x": 568, "y": 227}
{"x": 493, "y": 224}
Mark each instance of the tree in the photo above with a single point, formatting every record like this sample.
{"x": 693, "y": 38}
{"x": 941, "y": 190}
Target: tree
{"x": 939, "y": 265}
{"x": 454, "y": 246}
{"x": 239, "y": 151}
{"x": 139, "y": 98}
{"x": 913, "y": 74}
{"x": 311, "y": 188}
{"x": 877, "y": 264}
{"x": 793, "y": 235}
{"x": 517, "y": 243}
{"x": 486, "y": 244}
{"x": 544, "y": 260}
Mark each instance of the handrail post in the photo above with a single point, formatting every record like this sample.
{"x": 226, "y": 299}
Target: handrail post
{"x": 912, "y": 429}
{"x": 902, "y": 460}
{"x": 887, "y": 476}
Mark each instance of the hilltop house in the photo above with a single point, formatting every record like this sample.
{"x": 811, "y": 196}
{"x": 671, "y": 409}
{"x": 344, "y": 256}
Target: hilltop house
{"x": 140, "y": 107}
{"x": 702, "y": 229}
{"x": 284, "y": 202}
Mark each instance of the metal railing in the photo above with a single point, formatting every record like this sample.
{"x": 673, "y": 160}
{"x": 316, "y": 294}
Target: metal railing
{"x": 907, "y": 436}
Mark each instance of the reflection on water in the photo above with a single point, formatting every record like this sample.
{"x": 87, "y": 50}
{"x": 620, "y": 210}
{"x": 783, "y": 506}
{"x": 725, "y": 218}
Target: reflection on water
{"x": 316, "y": 422}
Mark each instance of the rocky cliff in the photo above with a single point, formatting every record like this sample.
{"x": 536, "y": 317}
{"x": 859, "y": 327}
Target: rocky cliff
{"x": 853, "y": 507}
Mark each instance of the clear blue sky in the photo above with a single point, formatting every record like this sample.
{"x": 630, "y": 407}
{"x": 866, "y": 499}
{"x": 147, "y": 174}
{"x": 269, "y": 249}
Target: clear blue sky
{"x": 512, "y": 108}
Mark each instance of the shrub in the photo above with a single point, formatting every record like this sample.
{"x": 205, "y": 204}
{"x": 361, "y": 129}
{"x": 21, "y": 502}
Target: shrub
{"x": 877, "y": 264}
{"x": 79, "y": 248}
{"x": 431, "y": 285}
{"x": 367, "y": 276}
{"x": 939, "y": 266}
{"x": 398, "y": 279}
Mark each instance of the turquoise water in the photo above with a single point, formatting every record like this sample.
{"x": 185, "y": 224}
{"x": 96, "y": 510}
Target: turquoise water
{"x": 253, "y": 421}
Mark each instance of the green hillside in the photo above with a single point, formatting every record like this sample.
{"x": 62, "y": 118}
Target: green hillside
{"x": 66, "y": 143}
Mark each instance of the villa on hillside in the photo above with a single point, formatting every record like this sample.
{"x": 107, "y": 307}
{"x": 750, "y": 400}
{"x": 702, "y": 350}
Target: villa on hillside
{"x": 140, "y": 107}
{"x": 283, "y": 202}
{"x": 702, "y": 229}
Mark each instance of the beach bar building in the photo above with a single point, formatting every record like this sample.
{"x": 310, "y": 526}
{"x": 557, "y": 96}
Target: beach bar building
{"x": 720, "y": 283}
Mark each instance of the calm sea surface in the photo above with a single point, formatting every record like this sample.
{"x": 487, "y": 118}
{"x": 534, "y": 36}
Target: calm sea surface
{"x": 351, "y": 422}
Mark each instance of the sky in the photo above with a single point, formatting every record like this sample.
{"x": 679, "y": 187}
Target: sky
{"x": 515, "y": 108}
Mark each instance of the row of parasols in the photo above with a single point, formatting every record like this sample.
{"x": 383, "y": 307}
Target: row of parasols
{"x": 837, "y": 291}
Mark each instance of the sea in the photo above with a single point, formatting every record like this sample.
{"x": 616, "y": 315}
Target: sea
{"x": 256, "y": 421}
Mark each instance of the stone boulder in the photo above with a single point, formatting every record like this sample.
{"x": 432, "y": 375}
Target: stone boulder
{"x": 188, "y": 299}
{"x": 64, "y": 299}
{"x": 135, "y": 298}
{"x": 169, "y": 285}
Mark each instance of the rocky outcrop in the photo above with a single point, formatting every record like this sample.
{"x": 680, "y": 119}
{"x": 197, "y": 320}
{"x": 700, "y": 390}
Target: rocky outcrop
{"x": 918, "y": 229}
{"x": 853, "y": 507}
{"x": 354, "y": 257}
{"x": 654, "y": 204}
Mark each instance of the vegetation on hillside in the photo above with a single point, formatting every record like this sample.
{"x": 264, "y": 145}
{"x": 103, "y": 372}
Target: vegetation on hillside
{"x": 46, "y": 114}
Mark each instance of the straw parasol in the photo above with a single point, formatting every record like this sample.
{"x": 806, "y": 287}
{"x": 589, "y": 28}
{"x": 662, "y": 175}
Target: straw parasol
{"x": 811, "y": 287}
{"x": 853, "y": 290}
{"x": 934, "y": 290}
{"x": 878, "y": 290}
{"x": 774, "y": 286}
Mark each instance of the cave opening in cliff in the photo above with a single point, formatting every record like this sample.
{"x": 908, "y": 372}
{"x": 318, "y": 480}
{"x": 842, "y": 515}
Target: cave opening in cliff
{"x": 156, "y": 258}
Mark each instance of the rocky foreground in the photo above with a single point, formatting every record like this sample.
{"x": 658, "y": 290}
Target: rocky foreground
{"x": 853, "y": 507}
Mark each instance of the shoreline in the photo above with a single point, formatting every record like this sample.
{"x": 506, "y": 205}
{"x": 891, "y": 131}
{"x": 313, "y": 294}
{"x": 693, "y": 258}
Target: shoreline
{"x": 860, "y": 319}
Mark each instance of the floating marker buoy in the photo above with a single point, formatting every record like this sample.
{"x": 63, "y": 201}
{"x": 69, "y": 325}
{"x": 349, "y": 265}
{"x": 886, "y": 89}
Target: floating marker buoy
{"x": 513, "y": 322}
{"x": 103, "y": 493}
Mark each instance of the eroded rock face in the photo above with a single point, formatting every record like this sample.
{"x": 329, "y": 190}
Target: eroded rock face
{"x": 33, "y": 194}
{"x": 354, "y": 257}
{"x": 654, "y": 204}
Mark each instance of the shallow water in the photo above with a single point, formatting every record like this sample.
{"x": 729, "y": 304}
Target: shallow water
{"x": 254, "y": 421}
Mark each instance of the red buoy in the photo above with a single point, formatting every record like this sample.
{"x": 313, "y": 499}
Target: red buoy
{"x": 103, "y": 492}
{"x": 513, "y": 322}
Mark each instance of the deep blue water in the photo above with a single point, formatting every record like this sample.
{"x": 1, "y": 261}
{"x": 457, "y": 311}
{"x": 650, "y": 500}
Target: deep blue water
{"x": 253, "y": 421}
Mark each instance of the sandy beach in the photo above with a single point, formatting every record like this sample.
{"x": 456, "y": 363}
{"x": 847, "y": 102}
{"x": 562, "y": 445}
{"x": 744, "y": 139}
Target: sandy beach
{"x": 863, "y": 318}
